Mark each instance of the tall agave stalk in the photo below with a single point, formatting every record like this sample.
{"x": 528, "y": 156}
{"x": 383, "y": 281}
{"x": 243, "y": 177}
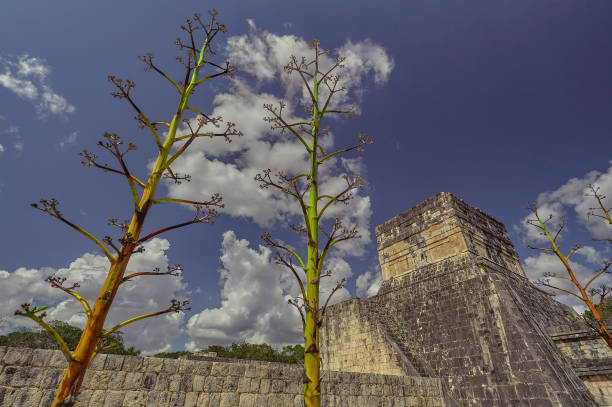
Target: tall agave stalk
{"x": 171, "y": 147}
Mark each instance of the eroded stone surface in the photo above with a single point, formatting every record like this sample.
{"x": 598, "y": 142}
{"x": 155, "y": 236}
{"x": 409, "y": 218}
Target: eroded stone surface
{"x": 456, "y": 304}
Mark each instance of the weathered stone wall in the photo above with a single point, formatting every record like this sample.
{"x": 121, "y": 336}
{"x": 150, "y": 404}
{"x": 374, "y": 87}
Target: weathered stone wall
{"x": 29, "y": 378}
{"x": 456, "y": 302}
{"x": 354, "y": 343}
{"x": 601, "y": 387}
{"x": 439, "y": 228}
{"x": 590, "y": 358}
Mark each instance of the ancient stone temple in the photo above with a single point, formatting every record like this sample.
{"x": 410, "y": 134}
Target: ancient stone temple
{"x": 455, "y": 304}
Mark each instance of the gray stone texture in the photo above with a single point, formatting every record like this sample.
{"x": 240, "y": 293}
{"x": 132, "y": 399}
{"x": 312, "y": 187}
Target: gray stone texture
{"x": 29, "y": 378}
{"x": 456, "y": 305}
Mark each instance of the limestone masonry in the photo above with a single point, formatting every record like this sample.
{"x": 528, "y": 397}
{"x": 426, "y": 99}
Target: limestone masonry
{"x": 29, "y": 378}
{"x": 455, "y": 323}
{"x": 455, "y": 304}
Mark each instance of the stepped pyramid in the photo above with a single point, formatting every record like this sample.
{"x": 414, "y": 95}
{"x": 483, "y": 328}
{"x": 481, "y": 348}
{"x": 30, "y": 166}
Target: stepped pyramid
{"x": 455, "y": 304}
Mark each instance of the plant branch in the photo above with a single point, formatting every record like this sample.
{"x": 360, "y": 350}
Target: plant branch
{"x": 31, "y": 313}
{"x": 58, "y": 282}
{"x": 172, "y": 271}
{"x": 50, "y": 207}
{"x": 175, "y": 306}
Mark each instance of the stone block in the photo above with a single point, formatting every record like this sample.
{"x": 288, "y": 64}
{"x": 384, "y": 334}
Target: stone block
{"x": 209, "y": 399}
{"x": 213, "y": 384}
{"x": 117, "y": 380}
{"x": 230, "y": 384}
{"x": 97, "y": 398}
{"x": 244, "y": 385}
{"x": 251, "y": 371}
{"x": 135, "y": 398}
{"x": 174, "y": 382}
{"x": 219, "y": 369}
{"x": 191, "y": 399}
{"x": 152, "y": 398}
{"x": 51, "y": 378}
{"x": 198, "y": 383}
{"x": 132, "y": 381}
{"x": 237, "y": 369}
{"x": 162, "y": 398}
{"x": 280, "y": 400}
{"x": 27, "y": 376}
{"x": 177, "y": 399}
{"x": 248, "y": 400}
{"x": 153, "y": 364}
{"x": 58, "y": 360}
{"x": 113, "y": 362}
{"x": 132, "y": 364}
{"x": 40, "y": 357}
{"x": 229, "y": 400}
{"x": 114, "y": 398}
{"x": 28, "y": 397}
{"x": 186, "y": 382}
{"x": 100, "y": 379}
{"x": 264, "y": 386}
{"x": 49, "y": 395}
{"x": 98, "y": 362}
{"x": 277, "y": 386}
{"x": 202, "y": 367}
{"x": 255, "y": 384}
{"x": 18, "y": 356}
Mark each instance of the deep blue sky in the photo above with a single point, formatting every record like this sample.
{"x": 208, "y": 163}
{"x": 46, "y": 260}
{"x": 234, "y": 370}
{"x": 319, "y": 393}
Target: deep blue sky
{"x": 496, "y": 102}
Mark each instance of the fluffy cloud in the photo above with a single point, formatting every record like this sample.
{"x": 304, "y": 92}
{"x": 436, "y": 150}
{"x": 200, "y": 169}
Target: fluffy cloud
{"x": 254, "y": 299}
{"x": 537, "y": 266}
{"x": 574, "y": 198}
{"x": 144, "y": 294}
{"x": 68, "y": 140}
{"x": 572, "y": 201}
{"x": 26, "y": 76}
{"x": 13, "y": 131}
{"x": 229, "y": 168}
{"x": 255, "y": 290}
{"x": 368, "y": 283}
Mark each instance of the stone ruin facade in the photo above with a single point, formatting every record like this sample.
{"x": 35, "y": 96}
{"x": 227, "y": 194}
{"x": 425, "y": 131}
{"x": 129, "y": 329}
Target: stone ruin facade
{"x": 455, "y": 304}
{"x": 455, "y": 323}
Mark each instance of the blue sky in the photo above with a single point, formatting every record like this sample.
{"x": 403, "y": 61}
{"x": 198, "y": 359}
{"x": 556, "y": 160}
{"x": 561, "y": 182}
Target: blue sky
{"x": 500, "y": 103}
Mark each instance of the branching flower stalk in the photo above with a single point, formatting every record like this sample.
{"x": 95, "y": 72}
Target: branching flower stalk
{"x": 584, "y": 293}
{"x": 142, "y": 192}
{"x": 322, "y": 86}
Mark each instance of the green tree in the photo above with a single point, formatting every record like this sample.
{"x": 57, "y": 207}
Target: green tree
{"x": 41, "y": 339}
{"x": 605, "y": 310}
{"x": 596, "y": 314}
{"x": 170, "y": 147}
{"x": 249, "y": 351}
{"x": 322, "y": 84}
{"x": 171, "y": 355}
{"x": 293, "y": 354}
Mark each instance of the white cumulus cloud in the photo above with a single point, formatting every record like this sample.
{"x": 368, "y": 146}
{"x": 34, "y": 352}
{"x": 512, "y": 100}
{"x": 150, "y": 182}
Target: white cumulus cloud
{"x": 27, "y": 77}
{"x": 571, "y": 202}
{"x": 536, "y": 266}
{"x": 368, "y": 283}
{"x": 69, "y": 139}
{"x": 254, "y": 299}
{"x": 574, "y": 199}
{"x": 255, "y": 290}
{"x": 141, "y": 295}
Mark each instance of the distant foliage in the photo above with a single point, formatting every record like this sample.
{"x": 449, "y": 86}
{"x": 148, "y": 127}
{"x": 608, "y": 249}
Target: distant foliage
{"x": 41, "y": 339}
{"x": 171, "y": 355}
{"x": 249, "y": 351}
{"x": 606, "y": 310}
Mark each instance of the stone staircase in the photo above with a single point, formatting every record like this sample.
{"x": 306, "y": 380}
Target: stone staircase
{"x": 399, "y": 337}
